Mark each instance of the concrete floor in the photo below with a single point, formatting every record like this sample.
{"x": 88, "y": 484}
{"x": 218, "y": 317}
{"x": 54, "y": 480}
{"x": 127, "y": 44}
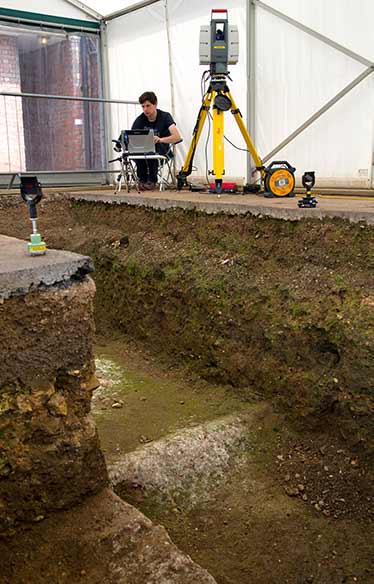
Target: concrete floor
{"x": 20, "y": 273}
{"x": 353, "y": 208}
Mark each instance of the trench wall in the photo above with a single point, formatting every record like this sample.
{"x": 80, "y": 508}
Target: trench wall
{"x": 49, "y": 451}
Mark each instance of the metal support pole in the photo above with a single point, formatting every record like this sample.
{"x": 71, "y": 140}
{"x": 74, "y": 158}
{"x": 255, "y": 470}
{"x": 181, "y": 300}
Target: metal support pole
{"x": 319, "y": 113}
{"x": 133, "y": 8}
{"x": 171, "y": 73}
{"x": 315, "y": 34}
{"x": 84, "y": 8}
{"x": 251, "y": 80}
{"x": 105, "y": 92}
{"x": 167, "y": 24}
{"x": 331, "y": 43}
{"x": 66, "y": 97}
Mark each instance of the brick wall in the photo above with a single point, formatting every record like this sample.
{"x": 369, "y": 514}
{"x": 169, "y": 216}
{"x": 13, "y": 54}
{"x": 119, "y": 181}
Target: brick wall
{"x": 41, "y": 134}
{"x": 59, "y": 133}
{"x": 12, "y": 145}
{"x": 54, "y": 141}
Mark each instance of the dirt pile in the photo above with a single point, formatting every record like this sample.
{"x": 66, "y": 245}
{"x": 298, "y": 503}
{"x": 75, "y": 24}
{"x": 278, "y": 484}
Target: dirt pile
{"x": 333, "y": 479}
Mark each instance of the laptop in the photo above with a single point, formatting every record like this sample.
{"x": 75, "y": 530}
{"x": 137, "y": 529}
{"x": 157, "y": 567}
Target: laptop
{"x": 138, "y": 141}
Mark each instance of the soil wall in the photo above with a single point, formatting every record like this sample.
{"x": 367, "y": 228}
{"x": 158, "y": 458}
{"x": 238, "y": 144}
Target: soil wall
{"x": 280, "y": 310}
{"x": 49, "y": 453}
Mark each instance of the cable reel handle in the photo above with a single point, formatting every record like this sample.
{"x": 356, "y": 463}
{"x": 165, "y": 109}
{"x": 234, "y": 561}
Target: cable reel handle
{"x": 281, "y": 163}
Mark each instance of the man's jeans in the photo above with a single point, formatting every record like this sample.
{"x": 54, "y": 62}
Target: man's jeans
{"x": 147, "y": 170}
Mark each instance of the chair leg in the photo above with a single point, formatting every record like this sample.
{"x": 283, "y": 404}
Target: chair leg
{"x": 165, "y": 183}
{"x": 130, "y": 177}
{"x": 119, "y": 183}
{"x": 133, "y": 175}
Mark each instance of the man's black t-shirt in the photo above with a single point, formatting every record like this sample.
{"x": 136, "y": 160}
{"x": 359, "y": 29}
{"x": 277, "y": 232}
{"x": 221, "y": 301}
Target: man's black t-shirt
{"x": 160, "y": 127}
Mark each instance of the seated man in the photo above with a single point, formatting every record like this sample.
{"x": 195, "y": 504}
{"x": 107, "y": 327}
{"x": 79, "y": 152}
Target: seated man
{"x": 165, "y": 134}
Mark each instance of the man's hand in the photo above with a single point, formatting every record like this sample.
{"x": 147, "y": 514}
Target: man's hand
{"x": 156, "y": 139}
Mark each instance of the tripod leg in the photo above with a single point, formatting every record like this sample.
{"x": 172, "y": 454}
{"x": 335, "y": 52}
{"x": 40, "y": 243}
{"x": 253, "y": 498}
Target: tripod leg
{"x": 120, "y": 179}
{"x": 134, "y": 175}
{"x": 203, "y": 112}
{"x": 248, "y": 140}
{"x": 218, "y": 147}
{"x": 127, "y": 178}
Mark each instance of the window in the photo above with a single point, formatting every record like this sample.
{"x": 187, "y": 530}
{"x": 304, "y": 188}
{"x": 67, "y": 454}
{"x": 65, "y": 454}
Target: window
{"x": 45, "y": 133}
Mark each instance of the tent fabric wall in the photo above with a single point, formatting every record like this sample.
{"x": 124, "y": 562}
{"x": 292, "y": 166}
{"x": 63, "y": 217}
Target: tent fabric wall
{"x": 52, "y": 7}
{"x": 295, "y": 75}
{"x": 347, "y": 22}
{"x": 107, "y": 7}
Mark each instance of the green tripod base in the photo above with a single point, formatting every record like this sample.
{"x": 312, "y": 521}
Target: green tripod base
{"x": 36, "y": 245}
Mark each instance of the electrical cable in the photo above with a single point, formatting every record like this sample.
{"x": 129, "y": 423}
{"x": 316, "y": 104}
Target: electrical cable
{"x": 350, "y": 197}
{"x": 237, "y": 147}
{"x": 229, "y": 141}
{"x": 203, "y": 82}
{"x": 204, "y": 79}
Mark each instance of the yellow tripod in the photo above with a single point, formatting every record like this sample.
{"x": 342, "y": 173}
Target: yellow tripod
{"x": 278, "y": 181}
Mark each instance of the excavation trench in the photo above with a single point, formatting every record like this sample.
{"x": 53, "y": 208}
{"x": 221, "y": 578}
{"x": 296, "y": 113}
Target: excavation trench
{"x": 280, "y": 309}
{"x": 243, "y": 346}
{"x": 235, "y": 487}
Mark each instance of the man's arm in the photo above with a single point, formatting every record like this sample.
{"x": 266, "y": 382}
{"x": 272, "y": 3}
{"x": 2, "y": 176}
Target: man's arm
{"x": 172, "y": 139}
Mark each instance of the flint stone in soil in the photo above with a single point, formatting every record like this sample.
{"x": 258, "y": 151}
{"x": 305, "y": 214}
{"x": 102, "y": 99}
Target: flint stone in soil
{"x": 188, "y": 463}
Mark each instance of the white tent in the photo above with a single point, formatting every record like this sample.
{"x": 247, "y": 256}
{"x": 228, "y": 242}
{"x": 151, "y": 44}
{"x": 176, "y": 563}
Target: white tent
{"x": 303, "y": 81}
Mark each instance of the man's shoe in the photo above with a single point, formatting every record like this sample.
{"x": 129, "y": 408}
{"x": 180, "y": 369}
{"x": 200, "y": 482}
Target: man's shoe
{"x": 148, "y": 186}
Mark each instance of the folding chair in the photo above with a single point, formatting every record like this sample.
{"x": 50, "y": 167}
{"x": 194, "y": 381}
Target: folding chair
{"x": 128, "y": 176}
{"x": 166, "y": 169}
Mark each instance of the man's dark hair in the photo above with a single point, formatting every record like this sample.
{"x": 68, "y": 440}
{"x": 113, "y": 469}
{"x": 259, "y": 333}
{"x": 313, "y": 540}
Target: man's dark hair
{"x": 148, "y": 96}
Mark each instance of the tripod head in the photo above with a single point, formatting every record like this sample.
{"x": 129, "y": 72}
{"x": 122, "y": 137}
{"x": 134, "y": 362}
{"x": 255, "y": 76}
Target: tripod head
{"x": 120, "y": 146}
{"x": 219, "y": 43}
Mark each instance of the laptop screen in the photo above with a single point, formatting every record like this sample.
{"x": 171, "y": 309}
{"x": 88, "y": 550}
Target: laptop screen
{"x": 138, "y": 141}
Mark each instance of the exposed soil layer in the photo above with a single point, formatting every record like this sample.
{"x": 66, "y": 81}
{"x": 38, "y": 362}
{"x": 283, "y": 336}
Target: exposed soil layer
{"x": 49, "y": 452}
{"x": 280, "y": 308}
